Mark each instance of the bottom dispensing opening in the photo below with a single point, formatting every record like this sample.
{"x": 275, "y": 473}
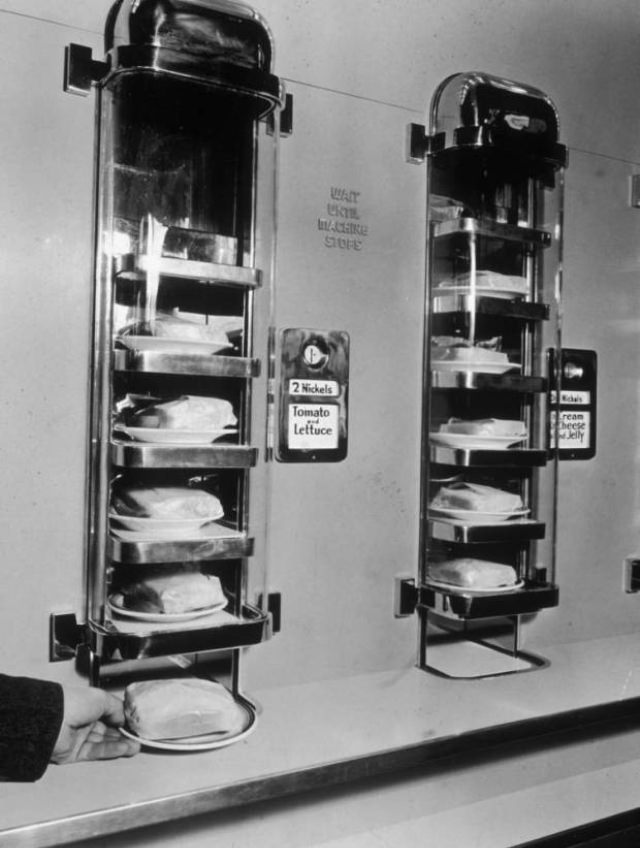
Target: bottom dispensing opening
{"x": 466, "y": 659}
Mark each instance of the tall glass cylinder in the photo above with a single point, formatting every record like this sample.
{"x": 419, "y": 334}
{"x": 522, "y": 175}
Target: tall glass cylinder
{"x": 188, "y": 125}
{"x": 493, "y": 289}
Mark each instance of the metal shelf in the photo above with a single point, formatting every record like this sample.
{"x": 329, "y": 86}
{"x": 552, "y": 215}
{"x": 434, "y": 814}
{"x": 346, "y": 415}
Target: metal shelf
{"x": 456, "y": 604}
{"x": 511, "y": 381}
{"x": 484, "y": 304}
{"x": 492, "y": 229}
{"x": 511, "y": 458}
{"x": 214, "y": 541}
{"x": 135, "y": 268}
{"x": 199, "y": 365}
{"x": 515, "y": 531}
{"x": 218, "y": 631}
{"x": 139, "y": 455}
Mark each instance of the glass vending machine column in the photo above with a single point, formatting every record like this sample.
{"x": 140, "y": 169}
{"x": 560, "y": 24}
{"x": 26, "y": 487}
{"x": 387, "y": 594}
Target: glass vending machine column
{"x": 492, "y": 323}
{"x": 188, "y": 119}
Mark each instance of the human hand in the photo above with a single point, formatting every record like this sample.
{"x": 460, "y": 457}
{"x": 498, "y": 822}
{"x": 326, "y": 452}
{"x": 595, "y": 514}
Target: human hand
{"x": 90, "y": 728}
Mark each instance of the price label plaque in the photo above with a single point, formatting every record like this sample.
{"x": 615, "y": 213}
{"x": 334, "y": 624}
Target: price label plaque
{"x": 314, "y": 381}
{"x": 575, "y": 432}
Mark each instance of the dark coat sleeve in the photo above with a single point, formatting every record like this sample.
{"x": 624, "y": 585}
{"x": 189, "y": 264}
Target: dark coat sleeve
{"x": 31, "y": 713}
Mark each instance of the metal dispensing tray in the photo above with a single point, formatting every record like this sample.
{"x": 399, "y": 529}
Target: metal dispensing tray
{"x": 456, "y": 603}
{"x": 515, "y": 531}
{"x": 484, "y": 304}
{"x": 510, "y": 381}
{"x": 157, "y": 362}
{"x": 214, "y": 541}
{"x": 492, "y": 229}
{"x": 135, "y": 267}
{"x": 219, "y": 631}
{"x": 474, "y": 457}
{"x": 125, "y": 454}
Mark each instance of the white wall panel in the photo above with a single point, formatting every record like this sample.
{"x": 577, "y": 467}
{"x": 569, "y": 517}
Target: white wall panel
{"x": 599, "y": 500}
{"x": 46, "y": 165}
{"x": 340, "y": 531}
{"x": 74, "y": 14}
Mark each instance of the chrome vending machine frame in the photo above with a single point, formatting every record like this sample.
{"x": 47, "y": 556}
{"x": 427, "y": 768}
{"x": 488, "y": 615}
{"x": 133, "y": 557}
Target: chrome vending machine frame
{"x": 188, "y": 120}
{"x": 491, "y": 345}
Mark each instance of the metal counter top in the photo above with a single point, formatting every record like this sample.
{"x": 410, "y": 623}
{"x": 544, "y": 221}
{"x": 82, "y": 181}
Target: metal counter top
{"x": 330, "y": 733}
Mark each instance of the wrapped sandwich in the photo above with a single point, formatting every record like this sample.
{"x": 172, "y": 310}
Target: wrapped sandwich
{"x": 172, "y": 593}
{"x": 172, "y": 326}
{"x": 189, "y": 412}
{"x": 487, "y": 280}
{"x": 179, "y": 708}
{"x": 458, "y": 349}
{"x": 444, "y": 208}
{"x": 471, "y": 573}
{"x": 166, "y": 502}
{"x": 199, "y": 246}
{"x": 169, "y": 326}
{"x": 179, "y": 328}
{"x": 501, "y": 427}
{"x": 468, "y": 353}
{"x": 476, "y": 497}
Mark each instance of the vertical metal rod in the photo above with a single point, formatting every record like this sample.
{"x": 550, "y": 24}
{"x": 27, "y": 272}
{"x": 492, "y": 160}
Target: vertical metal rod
{"x": 472, "y": 286}
{"x": 516, "y": 635}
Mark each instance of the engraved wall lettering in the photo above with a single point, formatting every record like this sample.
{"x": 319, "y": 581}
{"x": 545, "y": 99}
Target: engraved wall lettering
{"x": 341, "y": 223}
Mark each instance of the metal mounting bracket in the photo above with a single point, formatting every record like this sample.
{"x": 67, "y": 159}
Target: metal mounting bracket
{"x": 65, "y": 636}
{"x": 417, "y": 143}
{"x": 405, "y": 596}
{"x": 286, "y": 118}
{"x": 420, "y": 145}
{"x": 81, "y": 70}
{"x": 274, "y": 607}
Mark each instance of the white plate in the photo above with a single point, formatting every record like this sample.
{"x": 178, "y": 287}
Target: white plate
{"x": 463, "y": 590}
{"x": 471, "y": 516}
{"x": 440, "y": 481}
{"x": 476, "y": 365}
{"x": 469, "y": 440}
{"x": 162, "y": 526}
{"x": 165, "y": 345}
{"x": 199, "y": 743}
{"x": 160, "y": 436}
{"x": 504, "y": 293}
{"x": 166, "y": 617}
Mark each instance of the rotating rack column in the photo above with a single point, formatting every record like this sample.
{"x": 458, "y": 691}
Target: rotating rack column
{"x": 216, "y": 463}
{"x": 188, "y": 115}
{"x": 488, "y": 488}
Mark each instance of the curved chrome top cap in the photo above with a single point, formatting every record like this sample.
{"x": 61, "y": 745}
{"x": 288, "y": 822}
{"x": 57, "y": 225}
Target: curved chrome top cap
{"x": 478, "y": 109}
{"x": 213, "y": 31}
